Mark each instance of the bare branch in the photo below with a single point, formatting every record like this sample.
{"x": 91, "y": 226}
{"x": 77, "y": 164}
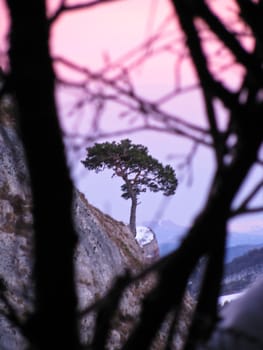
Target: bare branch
{"x": 244, "y": 206}
{"x": 210, "y": 112}
{"x": 81, "y": 6}
{"x": 148, "y": 109}
{"x": 251, "y": 62}
{"x": 5, "y": 84}
{"x": 186, "y": 17}
{"x": 254, "y": 210}
{"x": 144, "y": 50}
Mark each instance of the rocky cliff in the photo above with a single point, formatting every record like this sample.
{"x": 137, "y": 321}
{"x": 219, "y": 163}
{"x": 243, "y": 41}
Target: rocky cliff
{"x": 15, "y": 230}
{"x": 148, "y": 242}
{"x": 106, "y": 249}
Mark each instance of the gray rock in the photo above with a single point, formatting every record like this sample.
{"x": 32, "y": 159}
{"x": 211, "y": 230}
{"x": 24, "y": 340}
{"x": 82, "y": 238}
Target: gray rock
{"x": 146, "y": 239}
{"x": 106, "y": 250}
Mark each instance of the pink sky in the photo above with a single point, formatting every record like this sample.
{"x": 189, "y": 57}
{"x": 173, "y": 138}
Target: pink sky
{"x": 86, "y": 37}
{"x": 115, "y": 29}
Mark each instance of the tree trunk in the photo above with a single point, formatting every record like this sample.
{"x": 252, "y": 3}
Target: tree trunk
{"x": 54, "y": 324}
{"x": 133, "y": 214}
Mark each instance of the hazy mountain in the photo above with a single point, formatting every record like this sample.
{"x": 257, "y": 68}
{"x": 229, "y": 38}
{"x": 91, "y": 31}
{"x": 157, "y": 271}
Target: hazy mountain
{"x": 238, "y": 274}
{"x": 169, "y": 236}
{"x": 242, "y": 271}
{"x": 253, "y": 237}
{"x": 239, "y": 250}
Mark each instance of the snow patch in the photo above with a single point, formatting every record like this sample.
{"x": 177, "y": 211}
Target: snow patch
{"x": 229, "y": 297}
{"x": 144, "y": 235}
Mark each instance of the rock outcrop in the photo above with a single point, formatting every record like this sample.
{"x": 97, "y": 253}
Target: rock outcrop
{"x": 16, "y": 258}
{"x": 108, "y": 246}
{"x": 148, "y": 242}
{"x": 106, "y": 249}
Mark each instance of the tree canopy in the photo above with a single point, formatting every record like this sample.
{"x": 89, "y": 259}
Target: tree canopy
{"x": 138, "y": 169}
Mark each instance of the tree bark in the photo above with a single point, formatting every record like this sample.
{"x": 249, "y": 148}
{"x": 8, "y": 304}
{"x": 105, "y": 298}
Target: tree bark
{"x": 133, "y": 214}
{"x": 54, "y": 324}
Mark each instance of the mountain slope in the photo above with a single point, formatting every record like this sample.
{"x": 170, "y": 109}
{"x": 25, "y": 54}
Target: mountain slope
{"x": 106, "y": 249}
{"x": 239, "y": 250}
{"x": 243, "y": 271}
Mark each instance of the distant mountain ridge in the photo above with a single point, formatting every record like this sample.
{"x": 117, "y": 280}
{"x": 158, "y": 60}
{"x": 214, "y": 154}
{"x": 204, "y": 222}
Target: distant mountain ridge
{"x": 239, "y": 250}
{"x": 244, "y": 254}
{"x": 106, "y": 249}
{"x": 253, "y": 237}
{"x": 242, "y": 271}
{"x": 169, "y": 236}
{"x": 238, "y": 274}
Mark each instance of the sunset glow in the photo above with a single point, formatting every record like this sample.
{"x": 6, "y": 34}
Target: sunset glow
{"x": 110, "y": 39}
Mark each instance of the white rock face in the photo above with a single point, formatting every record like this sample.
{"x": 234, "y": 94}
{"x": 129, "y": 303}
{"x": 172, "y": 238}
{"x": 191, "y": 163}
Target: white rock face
{"x": 228, "y": 298}
{"x": 144, "y": 235}
{"x": 147, "y": 241}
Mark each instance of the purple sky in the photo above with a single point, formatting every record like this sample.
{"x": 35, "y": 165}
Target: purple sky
{"x": 108, "y": 32}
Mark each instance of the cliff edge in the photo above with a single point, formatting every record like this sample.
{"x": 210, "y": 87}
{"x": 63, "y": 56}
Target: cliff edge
{"x": 106, "y": 249}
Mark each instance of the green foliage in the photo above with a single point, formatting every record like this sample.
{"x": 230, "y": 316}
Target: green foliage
{"x": 139, "y": 170}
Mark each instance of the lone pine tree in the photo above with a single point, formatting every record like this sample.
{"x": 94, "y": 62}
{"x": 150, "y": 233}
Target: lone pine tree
{"x": 139, "y": 170}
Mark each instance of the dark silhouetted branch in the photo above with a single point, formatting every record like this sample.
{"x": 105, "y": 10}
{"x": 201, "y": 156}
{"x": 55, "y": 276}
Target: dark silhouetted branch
{"x": 63, "y": 7}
